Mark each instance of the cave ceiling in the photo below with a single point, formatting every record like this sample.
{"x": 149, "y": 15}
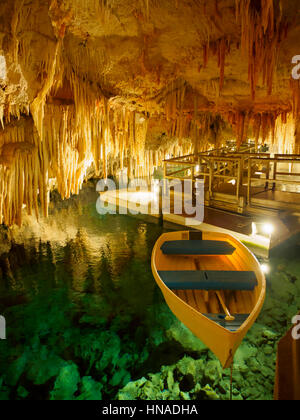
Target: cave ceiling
{"x": 134, "y": 50}
{"x": 102, "y": 81}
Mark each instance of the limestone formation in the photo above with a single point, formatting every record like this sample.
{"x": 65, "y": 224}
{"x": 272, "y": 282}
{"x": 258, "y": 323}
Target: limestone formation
{"x": 109, "y": 84}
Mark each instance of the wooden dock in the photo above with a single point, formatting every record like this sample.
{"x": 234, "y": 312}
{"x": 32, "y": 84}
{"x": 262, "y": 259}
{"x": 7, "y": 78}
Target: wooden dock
{"x": 243, "y": 190}
{"x": 244, "y": 181}
{"x": 238, "y": 225}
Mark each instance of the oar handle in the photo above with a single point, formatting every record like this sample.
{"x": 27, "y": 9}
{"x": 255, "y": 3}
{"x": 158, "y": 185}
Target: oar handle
{"x": 229, "y": 317}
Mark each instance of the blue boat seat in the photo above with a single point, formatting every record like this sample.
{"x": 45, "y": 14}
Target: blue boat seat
{"x": 229, "y": 325}
{"x": 209, "y": 280}
{"x": 197, "y": 248}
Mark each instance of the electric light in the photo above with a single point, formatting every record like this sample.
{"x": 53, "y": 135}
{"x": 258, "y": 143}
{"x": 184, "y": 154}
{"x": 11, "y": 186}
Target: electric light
{"x": 265, "y": 268}
{"x": 268, "y": 228}
{"x": 233, "y": 182}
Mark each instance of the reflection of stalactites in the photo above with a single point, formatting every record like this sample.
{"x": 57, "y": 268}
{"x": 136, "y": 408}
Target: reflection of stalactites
{"x": 140, "y": 247}
{"x": 11, "y": 264}
{"x": 8, "y": 273}
{"x": 105, "y": 283}
{"x": 77, "y": 258}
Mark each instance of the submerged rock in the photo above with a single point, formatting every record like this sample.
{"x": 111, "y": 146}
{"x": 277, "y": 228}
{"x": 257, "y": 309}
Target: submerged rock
{"x": 90, "y": 390}
{"x": 66, "y": 383}
{"x": 189, "y": 379}
{"x": 179, "y": 332}
{"x": 44, "y": 368}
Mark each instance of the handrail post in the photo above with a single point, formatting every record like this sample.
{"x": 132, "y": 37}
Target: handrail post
{"x": 249, "y": 182}
{"x": 275, "y": 176}
{"x": 211, "y": 174}
{"x": 268, "y": 175}
{"x": 192, "y": 181}
{"x": 165, "y": 178}
{"x": 238, "y": 187}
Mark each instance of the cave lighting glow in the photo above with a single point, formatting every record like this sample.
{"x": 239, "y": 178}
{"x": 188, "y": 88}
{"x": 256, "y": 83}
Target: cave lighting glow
{"x": 265, "y": 268}
{"x": 268, "y": 228}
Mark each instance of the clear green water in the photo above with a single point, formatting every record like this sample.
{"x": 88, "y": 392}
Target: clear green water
{"x": 85, "y": 319}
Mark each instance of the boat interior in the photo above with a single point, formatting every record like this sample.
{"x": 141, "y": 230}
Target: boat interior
{"x": 210, "y": 276}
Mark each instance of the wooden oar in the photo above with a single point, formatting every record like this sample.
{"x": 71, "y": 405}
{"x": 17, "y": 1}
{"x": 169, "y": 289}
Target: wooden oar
{"x": 229, "y": 317}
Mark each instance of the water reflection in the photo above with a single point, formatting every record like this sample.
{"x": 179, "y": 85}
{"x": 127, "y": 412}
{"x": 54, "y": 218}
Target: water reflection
{"x": 78, "y": 293}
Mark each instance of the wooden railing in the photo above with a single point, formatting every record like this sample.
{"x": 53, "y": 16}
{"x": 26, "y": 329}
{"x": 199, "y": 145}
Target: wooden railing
{"x": 246, "y": 171}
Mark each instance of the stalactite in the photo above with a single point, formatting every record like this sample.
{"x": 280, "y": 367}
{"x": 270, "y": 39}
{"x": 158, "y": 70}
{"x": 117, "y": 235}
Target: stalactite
{"x": 295, "y": 91}
{"x": 221, "y": 49}
{"x": 263, "y": 30}
{"x": 94, "y": 131}
{"x": 18, "y": 4}
{"x": 262, "y": 127}
{"x": 174, "y": 99}
{"x": 240, "y": 128}
{"x": 285, "y": 128}
{"x": 37, "y": 107}
{"x": 297, "y": 135}
{"x": 256, "y": 128}
{"x": 74, "y": 138}
{"x": 19, "y": 172}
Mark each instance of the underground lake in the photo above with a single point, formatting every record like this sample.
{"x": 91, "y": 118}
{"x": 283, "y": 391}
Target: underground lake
{"x": 85, "y": 319}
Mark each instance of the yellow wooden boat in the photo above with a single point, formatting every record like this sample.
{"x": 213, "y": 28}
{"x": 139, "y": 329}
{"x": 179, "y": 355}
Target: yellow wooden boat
{"x": 213, "y": 284}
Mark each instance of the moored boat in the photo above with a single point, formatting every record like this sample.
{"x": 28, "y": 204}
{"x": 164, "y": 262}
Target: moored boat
{"x": 213, "y": 284}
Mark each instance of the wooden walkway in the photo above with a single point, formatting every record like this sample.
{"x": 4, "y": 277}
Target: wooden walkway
{"x": 241, "y": 181}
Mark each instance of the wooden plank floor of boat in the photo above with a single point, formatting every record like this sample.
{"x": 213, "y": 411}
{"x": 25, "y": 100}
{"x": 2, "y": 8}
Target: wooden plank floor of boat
{"x": 238, "y": 302}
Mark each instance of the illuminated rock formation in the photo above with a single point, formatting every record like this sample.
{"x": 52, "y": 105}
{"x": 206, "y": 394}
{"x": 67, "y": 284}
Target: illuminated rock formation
{"x": 108, "y": 84}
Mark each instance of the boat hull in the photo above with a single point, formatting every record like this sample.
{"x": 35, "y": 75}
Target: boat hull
{"x": 221, "y": 341}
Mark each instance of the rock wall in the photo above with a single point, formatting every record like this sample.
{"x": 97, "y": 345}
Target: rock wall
{"x": 117, "y": 83}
